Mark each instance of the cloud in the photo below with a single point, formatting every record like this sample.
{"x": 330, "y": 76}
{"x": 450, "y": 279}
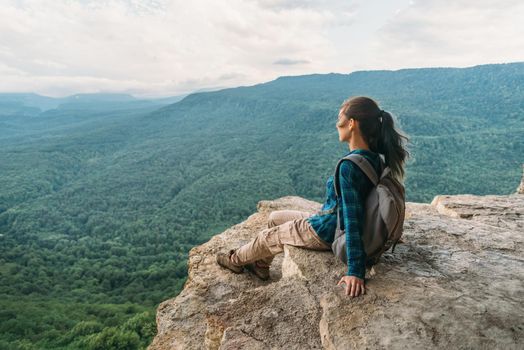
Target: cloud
{"x": 451, "y": 33}
{"x": 290, "y": 62}
{"x": 172, "y": 47}
{"x": 162, "y": 47}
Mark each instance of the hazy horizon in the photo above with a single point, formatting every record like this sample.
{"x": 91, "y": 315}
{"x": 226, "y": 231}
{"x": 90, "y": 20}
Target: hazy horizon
{"x": 229, "y": 87}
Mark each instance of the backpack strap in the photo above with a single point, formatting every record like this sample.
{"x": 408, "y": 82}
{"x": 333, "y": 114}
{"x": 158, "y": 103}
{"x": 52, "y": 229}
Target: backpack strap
{"x": 364, "y": 165}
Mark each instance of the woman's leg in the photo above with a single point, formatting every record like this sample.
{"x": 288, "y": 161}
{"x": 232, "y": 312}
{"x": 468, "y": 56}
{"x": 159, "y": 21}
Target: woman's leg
{"x": 278, "y": 217}
{"x": 270, "y": 241}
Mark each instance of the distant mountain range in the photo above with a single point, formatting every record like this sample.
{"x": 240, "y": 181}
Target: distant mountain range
{"x": 31, "y": 103}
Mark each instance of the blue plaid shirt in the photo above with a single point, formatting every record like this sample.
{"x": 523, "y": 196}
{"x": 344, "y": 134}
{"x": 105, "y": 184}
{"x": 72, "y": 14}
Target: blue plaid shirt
{"x": 354, "y": 188}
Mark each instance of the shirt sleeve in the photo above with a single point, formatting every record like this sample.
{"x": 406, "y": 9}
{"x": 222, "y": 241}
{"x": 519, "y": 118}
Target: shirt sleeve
{"x": 350, "y": 179}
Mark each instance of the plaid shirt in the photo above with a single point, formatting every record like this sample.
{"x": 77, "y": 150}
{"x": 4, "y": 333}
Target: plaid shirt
{"x": 354, "y": 187}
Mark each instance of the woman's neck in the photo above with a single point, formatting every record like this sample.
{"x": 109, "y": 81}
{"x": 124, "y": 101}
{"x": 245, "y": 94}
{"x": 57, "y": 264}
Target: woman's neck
{"x": 357, "y": 143}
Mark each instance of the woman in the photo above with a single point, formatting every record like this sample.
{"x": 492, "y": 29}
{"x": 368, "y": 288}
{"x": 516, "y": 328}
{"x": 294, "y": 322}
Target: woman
{"x": 369, "y": 131}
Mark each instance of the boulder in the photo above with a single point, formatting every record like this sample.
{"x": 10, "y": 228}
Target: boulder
{"x": 455, "y": 281}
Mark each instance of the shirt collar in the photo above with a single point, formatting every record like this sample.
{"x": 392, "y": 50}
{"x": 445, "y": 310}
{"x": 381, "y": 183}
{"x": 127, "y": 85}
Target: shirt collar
{"x": 359, "y": 150}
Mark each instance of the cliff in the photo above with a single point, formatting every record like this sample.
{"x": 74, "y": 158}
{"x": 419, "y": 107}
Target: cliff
{"x": 456, "y": 281}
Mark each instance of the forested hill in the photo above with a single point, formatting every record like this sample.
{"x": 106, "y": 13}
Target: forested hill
{"x": 100, "y": 201}
{"x": 465, "y": 125}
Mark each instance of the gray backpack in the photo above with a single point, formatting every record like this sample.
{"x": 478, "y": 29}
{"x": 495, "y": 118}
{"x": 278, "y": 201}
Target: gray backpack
{"x": 384, "y": 212}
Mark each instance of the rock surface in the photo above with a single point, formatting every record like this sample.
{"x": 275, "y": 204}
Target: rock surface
{"x": 455, "y": 282}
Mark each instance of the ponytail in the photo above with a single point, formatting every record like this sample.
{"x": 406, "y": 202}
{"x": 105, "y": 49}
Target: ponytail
{"x": 391, "y": 143}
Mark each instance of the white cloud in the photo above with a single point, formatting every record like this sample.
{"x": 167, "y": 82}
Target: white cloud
{"x": 158, "y": 47}
{"x": 169, "y": 47}
{"x": 451, "y": 33}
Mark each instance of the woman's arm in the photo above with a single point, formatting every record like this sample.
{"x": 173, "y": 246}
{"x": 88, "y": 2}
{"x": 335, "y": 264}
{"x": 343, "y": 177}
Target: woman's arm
{"x": 351, "y": 179}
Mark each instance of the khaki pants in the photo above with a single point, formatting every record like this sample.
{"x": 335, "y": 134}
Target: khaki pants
{"x": 284, "y": 227}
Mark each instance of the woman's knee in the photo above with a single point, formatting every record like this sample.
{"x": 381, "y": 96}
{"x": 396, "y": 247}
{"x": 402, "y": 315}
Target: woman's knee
{"x": 271, "y": 220}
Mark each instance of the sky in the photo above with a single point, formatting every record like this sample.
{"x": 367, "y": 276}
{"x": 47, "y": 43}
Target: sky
{"x": 156, "y": 48}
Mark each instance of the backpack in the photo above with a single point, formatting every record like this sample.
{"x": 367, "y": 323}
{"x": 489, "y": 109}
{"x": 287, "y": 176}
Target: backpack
{"x": 384, "y": 212}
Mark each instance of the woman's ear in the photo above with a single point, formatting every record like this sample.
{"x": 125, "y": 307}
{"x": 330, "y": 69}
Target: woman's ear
{"x": 351, "y": 123}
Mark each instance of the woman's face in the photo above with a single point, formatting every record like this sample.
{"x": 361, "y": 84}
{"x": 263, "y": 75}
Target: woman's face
{"x": 344, "y": 127}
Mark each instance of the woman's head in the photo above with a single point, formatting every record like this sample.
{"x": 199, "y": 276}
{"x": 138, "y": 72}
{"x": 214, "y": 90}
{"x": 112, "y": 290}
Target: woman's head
{"x": 361, "y": 117}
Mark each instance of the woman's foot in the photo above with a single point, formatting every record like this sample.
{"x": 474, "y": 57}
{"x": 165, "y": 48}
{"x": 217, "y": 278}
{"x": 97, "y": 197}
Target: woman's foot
{"x": 262, "y": 271}
{"x": 223, "y": 259}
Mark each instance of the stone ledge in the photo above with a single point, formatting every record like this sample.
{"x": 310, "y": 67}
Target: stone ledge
{"x": 455, "y": 282}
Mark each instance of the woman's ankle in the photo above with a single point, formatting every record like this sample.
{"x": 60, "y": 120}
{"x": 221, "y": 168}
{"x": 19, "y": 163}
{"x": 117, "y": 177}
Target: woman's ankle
{"x": 261, "y": 265}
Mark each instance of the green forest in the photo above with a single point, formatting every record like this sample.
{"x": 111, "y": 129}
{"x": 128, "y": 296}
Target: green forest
{"x": 102, "y": 196}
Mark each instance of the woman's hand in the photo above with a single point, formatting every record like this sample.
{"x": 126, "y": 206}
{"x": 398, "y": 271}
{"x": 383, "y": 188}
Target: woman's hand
{"x": 354, "y": 285}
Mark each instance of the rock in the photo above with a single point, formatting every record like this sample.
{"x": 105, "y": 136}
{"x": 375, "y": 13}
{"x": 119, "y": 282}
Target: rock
{"x": 456, "y": 281}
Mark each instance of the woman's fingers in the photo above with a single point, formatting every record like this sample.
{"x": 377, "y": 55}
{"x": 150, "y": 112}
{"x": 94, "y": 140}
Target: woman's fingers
{"x": 354, "y": 287}
{"x": 357, "y": 289}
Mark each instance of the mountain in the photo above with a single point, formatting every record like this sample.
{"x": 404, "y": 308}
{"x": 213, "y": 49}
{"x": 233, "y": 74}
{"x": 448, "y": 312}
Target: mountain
{"x": 31, "y": 115}
{"x": 449, "y": 113}
{"x": 101, "y": 201}
{"x": 25, "y": 103}
{"x": 43, "y": 103}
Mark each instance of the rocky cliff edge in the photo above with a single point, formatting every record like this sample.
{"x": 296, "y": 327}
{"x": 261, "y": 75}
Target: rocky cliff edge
{"x": 455, "y": 282}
